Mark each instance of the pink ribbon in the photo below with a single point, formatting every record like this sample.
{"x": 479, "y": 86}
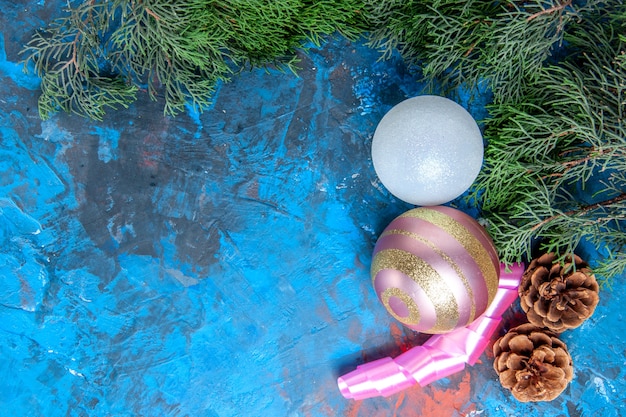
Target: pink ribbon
{"x": 440, "y": 356}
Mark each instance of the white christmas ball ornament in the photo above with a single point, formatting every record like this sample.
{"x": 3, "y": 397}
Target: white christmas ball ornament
{"x": 427, "y": 150}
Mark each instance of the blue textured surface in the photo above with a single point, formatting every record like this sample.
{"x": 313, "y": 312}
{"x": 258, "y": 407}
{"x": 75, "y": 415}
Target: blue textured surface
{"x": 216, "y": 264}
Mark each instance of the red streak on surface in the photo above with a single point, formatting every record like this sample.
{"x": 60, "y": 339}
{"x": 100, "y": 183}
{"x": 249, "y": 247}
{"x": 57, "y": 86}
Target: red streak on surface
{"x": 151, "y": 152}
{"x": 433, "y": 401}
{"x": 429, "y": 401}
{"x": 399, "y": 337}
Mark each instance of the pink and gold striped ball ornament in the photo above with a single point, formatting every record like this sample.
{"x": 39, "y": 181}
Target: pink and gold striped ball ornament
{"x": 435, "y": 269}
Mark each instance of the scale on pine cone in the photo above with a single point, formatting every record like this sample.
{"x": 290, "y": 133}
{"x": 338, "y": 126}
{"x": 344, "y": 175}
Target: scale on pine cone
{"x": 533, "y": 363}
{"x": 558, "y": 296}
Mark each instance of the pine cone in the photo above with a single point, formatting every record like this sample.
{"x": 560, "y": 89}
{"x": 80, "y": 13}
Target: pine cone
{"x": 533, "y": 363}
{"x": 558, "y": 297}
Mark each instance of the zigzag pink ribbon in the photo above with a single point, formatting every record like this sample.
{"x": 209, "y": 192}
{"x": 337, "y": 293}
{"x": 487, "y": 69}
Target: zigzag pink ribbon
{"x": 440, "y": 356}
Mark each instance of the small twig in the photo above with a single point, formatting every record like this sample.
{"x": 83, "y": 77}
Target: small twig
{"x": 553, "y": 175}
{"x": 552, "y": 9}
{"x": 151, "y": 13}
{"x": 470, "y": 49}
{"x": 74, "y": 59}
{"x": 581, "y": 211}
{"x": 571, "y": 164}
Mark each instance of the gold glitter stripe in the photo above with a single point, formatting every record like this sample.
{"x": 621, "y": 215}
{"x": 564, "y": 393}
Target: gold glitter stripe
{"x": 414, "y": 311}
{"x": 447, "y": 259}
{"x": 433, "y": 285}
{"x": 471, "y": 244}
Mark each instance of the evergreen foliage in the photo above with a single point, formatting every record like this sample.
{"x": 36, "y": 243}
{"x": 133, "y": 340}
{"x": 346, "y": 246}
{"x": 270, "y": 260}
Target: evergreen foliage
{"x": 555, "y": 164}
{"x": 466, "y": 42}
{"x": 102, "y": 52}
{"x": 555, "y": 167}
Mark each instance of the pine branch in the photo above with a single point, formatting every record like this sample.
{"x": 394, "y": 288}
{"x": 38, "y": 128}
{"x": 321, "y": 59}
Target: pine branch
{"x": 569, "y": 135}
{"x": 583, "y": 211}
{"x": 553, "y": 9}
{"x": 102, "y": 52}
{"x": 476, "y": 42}
{"x": 66, "y": 55}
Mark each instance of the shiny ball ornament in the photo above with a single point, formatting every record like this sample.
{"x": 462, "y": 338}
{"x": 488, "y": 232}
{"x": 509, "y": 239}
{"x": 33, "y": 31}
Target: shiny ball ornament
{"x": 435, "y": 269}
{"x": 427, "y": 150}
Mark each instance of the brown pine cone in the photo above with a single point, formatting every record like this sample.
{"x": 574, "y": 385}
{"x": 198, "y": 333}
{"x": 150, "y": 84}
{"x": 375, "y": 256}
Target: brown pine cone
{"x": 533, "y": 363}
{"x": 558, "y": 297}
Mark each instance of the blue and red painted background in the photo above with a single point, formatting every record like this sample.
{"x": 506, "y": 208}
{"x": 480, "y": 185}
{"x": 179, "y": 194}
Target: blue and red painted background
{"x": 217, "y": 264}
